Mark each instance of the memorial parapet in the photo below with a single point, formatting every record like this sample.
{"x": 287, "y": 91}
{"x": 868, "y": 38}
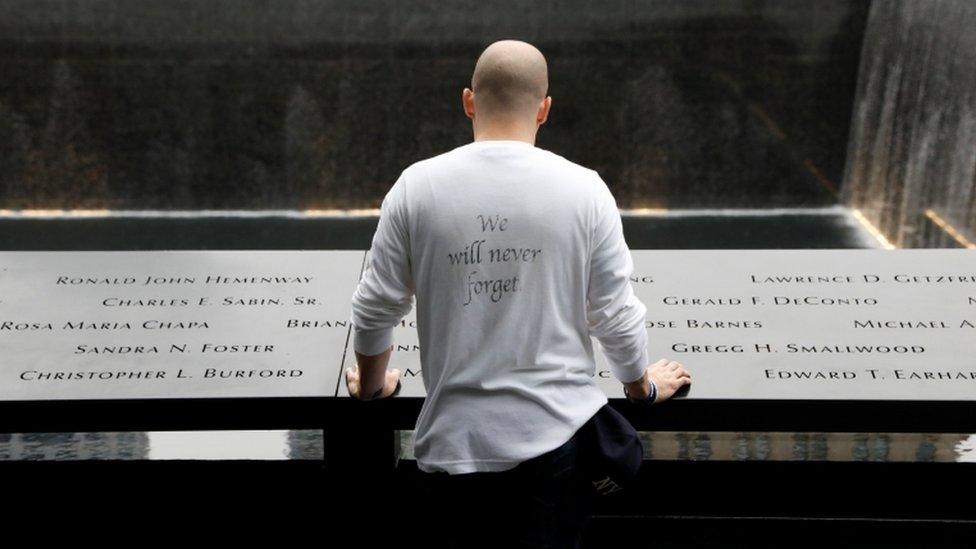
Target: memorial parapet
{"x": 825, "y": 339}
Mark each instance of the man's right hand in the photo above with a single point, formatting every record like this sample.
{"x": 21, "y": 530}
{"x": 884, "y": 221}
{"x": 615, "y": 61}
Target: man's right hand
{"x": 668, "y": 375}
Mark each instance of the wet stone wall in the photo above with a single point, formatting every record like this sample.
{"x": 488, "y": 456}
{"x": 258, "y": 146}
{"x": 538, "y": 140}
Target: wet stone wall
{"x": 267, "y": 104}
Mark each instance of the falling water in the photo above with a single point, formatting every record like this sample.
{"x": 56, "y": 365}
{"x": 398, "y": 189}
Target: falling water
{"x": 912, "y": 151}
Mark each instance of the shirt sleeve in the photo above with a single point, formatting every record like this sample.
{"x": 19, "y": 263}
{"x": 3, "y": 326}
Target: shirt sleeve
{"x": 385, "y": 292}
{"x": 616, "y": 317}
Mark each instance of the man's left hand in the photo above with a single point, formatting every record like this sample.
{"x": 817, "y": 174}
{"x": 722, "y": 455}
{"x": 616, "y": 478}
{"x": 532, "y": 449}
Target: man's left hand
{"x": 391, "y": 380}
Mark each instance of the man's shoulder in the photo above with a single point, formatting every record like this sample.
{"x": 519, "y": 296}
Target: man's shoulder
{"x": 586, "y": 181}
{"x": 568, "y": 164}
{"x": 418, "y": 166}
{"x": 433, "y": 162}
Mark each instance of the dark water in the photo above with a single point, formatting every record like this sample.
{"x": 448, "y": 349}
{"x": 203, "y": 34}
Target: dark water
{"x": 832, "y": 227}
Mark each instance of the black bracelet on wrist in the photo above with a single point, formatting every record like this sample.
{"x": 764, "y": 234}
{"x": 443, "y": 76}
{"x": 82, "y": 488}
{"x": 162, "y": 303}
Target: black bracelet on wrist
{"x": 651, "y": 397}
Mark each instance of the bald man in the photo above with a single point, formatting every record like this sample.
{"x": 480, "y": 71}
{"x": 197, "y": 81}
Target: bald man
{"x": 516, "y": 257}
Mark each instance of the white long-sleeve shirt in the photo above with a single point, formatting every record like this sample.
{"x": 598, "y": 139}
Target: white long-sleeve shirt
{"x": 515, "y": 256}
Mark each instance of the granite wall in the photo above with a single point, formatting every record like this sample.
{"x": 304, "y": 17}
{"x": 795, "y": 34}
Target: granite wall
{"x": 266, "y": 104}
{"x": 911, "y": 163}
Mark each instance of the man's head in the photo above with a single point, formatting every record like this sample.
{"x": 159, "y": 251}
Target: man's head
{"x": 509, "y": 87}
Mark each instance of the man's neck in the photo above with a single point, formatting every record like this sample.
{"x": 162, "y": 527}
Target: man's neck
{"x": 508, "y": 134}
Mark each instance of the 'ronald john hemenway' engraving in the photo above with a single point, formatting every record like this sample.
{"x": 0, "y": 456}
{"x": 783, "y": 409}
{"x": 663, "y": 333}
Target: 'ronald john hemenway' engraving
{"x": 180, "y": 280}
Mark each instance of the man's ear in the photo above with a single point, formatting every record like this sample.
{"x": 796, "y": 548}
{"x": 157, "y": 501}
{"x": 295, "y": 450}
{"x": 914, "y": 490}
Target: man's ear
{"x": 467, "y": 102}
{"x": 543, "y": 113}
